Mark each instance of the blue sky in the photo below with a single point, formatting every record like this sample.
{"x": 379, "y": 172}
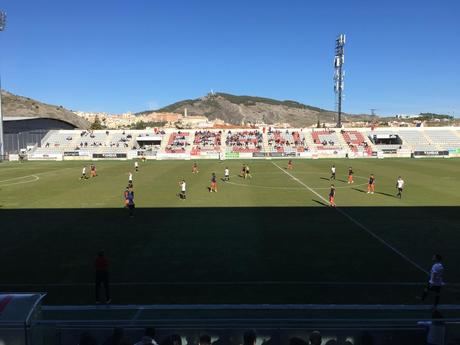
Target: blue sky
{"x": 117, "y": 56}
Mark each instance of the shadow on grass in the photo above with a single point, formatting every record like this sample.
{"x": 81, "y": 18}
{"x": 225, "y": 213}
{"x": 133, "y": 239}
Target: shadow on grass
{"x": 161, "y": 244}
{"x": 387, "y": 194}
{"x": 325, "y": 178}
{"x": 320, "y": 202}
{"x": 359, "y": 190}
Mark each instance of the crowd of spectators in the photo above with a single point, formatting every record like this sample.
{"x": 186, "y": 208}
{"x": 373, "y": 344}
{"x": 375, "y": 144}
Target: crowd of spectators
{"x": 244, "y": 141}
{"x": 207, "y": 140}
{"x": 280, "y": 141}
{"x": 178, "y": 142}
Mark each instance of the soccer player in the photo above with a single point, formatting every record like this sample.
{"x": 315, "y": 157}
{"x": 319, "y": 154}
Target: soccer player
{"x": 83, "y": 174}
{"x": 248, "y": 172}
{"x": 436, "y": 282}
{"x": 213, "y": 187}
{"x": 130, "y": 178}
{"x": 332, "y": 196}
{"x": 226, "y": 174}
{"x": 136, "y": 166}
{"x": 243, "y": 171}
{"x": 195, "y": 168}
{"x": 130, "y": 203}
{"x": 350, "y": 175}
{"x": 93, "y": 170}
{"x": 399, "y": 186}
{"x": 125, "y": 196}
{"x": 332, "y": 172}
{"x": 371, "y": 185}
{"x": 182, "y": 194}
{"x": 290, "y": 166}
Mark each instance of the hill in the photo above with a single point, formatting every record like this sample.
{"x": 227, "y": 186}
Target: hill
{"x": 237, "y": 109}
{"x": 19, "y": 106}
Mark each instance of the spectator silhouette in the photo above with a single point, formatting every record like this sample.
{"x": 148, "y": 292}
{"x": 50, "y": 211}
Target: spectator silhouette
{"x": 87, "y": 339}
{"x": 436, "y": 329}
{"x": 116, "y": 337}
{"x": 249, "y": 338}
{"x": 297, "y": 341}
{"x": 148, "y": 338}
{"x": 315, "y": 338}
{"x": 204, "y": 340}
{"x": 367, "y": 339}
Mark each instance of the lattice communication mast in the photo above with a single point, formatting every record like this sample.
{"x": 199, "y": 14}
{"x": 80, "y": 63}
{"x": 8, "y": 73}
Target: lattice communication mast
{"x": 339, "y": 74}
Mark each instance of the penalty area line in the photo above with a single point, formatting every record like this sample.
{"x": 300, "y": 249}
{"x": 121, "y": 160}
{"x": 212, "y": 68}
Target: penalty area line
{"x": 357, "y": 223}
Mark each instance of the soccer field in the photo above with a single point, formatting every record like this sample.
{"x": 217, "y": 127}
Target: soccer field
{"x": 268, "y": 239}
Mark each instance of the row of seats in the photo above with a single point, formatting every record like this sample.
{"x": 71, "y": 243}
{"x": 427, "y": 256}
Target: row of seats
{"x": 206, "y": 141}
{"x": 238, "y": 140}
{"x": 244, "y": 141}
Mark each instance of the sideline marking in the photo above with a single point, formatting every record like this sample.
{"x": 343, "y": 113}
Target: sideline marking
{"x": 2, "y": 184}
{"x": 360, "y": 225}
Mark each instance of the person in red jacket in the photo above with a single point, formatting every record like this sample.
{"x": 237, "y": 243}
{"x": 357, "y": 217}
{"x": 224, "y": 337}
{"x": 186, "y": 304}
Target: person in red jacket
{"x": 101, "y": 266}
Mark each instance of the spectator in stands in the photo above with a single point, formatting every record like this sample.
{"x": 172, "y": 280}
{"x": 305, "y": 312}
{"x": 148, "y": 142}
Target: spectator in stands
{"x": 436, "y": 329}
{"x": 87, "y": 339}
{"x": 367, "y": 339}
{"x": 116, "y": 337}
{"x": 204, "y": 340}
{"x": 173, "y": 339}
{"x": 148, "y": 337}
{"x": 249, "y": 338}
{"x": 101, "y": 266}
{"x": 315, "y": 338}
{"x": 297, "y": 341}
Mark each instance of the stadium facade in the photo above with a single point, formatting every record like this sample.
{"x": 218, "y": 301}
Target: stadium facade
{"x": 239, "y": 143}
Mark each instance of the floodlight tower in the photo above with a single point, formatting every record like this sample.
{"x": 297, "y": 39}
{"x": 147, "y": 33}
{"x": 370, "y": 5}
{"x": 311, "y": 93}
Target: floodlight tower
{"x": 2, "y": 151}
{"x": 339, "y": 74}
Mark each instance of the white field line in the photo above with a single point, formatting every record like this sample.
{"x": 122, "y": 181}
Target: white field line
{"x": 3, "y": 184}
{"x": 360, "y": 225}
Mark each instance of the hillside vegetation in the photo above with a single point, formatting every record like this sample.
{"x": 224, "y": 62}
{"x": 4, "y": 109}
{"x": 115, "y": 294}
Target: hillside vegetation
{"x": 248, "y": 109}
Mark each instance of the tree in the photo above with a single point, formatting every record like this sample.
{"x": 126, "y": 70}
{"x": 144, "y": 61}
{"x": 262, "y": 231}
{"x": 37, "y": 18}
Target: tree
{"x": 96, "y": 124}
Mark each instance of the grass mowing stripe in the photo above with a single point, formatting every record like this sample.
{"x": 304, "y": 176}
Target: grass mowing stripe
{"x": 360, "y": 225}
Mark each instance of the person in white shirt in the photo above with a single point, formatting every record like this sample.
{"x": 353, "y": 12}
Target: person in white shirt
{"x": 399, "y": 186}
{"x": 130, "y": 177}
{"x": 183, "y": 187}
{"x": 136, "y": 166}
{"x": 436, "y": 282}
{"x": 226, "y": 174}
{"x": 332, "y": 173}
{"x": 83, "y": 174}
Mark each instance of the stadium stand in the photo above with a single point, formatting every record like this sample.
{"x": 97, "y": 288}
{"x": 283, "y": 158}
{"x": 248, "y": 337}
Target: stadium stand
{"x": 178, "y": 142}
{"x": 244, "y": 141}
{"x": 34, "y": 323}
{"x": 209, "y": 141}
{"x": 286, "y": 141}
{"x": 445, "y": 139}
{"x": 357, "y": 142}
{"x": 417, "y": 140}
{"x": 326, "y": 140}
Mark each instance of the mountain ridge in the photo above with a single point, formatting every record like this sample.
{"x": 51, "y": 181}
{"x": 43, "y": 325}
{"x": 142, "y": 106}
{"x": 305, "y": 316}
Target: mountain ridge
{"x": 236, "y": 109}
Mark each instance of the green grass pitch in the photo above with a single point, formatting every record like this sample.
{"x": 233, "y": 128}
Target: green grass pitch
{"x": 268, "y": 239}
